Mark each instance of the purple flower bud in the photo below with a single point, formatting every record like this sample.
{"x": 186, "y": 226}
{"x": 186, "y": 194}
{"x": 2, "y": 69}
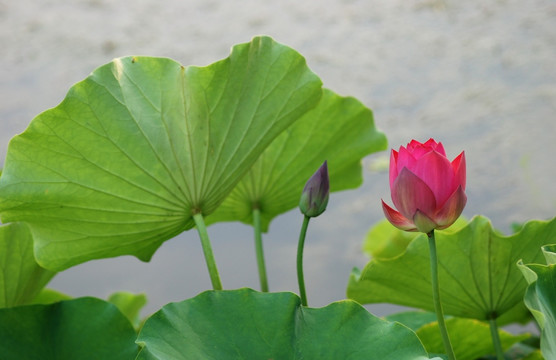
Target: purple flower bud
{"x": 314, "y": 197}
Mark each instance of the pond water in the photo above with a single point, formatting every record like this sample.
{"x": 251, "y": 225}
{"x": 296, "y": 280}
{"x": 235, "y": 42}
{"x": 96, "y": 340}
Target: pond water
{"x": 478, "y": 76}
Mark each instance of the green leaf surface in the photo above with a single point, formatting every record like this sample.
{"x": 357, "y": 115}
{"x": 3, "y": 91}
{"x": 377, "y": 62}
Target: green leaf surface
{"x": 244, "y": 324}
{"x": 21, "y": 278}
{"x": 540, "y": 298}
{"x": 477, "y": 273}
{"x": 339, "y": 129}
{"x": 470, "y": 339}
{"x": 143, "y": 143}
{"x": 85, "y": 328}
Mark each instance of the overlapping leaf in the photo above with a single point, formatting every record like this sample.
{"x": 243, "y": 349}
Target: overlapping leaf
{"x": 540, "y": 298}
{"x": 21, "y": 278}
{"x": 477, "y": 273}
{"x": 142, "y": 144}
{"x": 84, "y": 328}
{"x": 243, "y": 324}
{"x": 130, "y": 305}
{"x": 340, "y": 130}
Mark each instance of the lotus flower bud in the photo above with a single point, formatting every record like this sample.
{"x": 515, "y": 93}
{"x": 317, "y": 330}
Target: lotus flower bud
{"x": 427, "y": 189}
{"x": 314, "y": 197}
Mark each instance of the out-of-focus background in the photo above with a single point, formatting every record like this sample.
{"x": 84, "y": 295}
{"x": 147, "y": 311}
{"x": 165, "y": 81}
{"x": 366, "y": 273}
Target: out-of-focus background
{"x": 479, "y": 76}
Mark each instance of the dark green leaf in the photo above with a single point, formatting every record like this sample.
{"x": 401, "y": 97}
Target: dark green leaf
{"x": 244, "y": 324}
{"x": 83, "y": 329}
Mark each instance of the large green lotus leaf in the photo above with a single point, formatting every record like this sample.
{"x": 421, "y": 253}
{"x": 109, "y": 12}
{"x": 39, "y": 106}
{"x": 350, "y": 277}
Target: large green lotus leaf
{"x": 340, "y": 130}
{"x": 540, "y": 298}
{"x": 477, "y": 273}
{"x": 470, "y": 339}
{"x": 142, "y": 144}
{"x": 244, "y": 324}
{"x": 85, "y": 328}
{"x": 21, "y": 278}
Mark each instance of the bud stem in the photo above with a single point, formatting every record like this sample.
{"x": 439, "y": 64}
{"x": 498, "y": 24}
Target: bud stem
{"x": 259, "y": 249}
{"x": 207, "y": 250}
{"x": 436, "y": 297}
{"x": 300, "y": 246}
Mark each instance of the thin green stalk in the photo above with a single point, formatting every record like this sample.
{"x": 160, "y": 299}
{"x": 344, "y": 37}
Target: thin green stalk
{"x": 259, "y": 249}
{"x": 207, "y": 250}
{"x": 436, "y": 297}
{"x": 300, "y": 245}
{"x": 496, "y": 339}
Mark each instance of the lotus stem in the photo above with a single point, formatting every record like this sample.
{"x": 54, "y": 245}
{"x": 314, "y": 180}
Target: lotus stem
{"x": 259, "y": 249}
{"x": 207, "y": 251}
{"x": 496, "y": 338}
{"x": 300, "y": 245}
{"x": 436, "y": 297}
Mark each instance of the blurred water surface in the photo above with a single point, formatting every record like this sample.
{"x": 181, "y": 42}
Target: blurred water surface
{"x": 478, "y": 76}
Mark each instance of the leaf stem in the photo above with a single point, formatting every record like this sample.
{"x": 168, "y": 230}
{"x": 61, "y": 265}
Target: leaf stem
{"x": 300, "y": 245}
{"x": 207, "y": 250}
{"x": 496, "y": 339}
{"x": 259, "y": 249}
{"x": 436, "y": 297}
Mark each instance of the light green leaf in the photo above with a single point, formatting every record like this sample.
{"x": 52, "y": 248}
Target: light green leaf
{"x": 385, "y": 241}
{"x": 21, "y": 278}
{"x": 244, "y": 324}
{"x": 412, "y": 319}
{"x": 470, "y": 339}
{"x": 129, "y": 304}
{"x": 142, "y": 144}
{"x": 477, "y": 273}
{"x": 540, "y": 297}
{"x": 340, "y": 130}
{"x": 83, "y": 329}
{"x": 49, "y": 296}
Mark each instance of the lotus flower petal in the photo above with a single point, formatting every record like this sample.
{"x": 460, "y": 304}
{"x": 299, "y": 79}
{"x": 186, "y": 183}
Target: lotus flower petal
{"x": 393, "y": 169}
{"x": 410, "y": 194}
{"x": 459, "y": 168}
{"x": 403, "y": 159}
{"x": 397, "y": 219}
{"x": 437, "y": 172}
{"x": 452, "y": 208}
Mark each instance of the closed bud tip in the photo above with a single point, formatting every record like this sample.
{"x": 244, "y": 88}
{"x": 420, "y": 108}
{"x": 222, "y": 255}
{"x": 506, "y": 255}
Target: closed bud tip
{"x": 314, "y": 197}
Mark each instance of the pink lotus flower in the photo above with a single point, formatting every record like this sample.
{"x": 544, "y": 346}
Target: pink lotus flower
{"x": 427, "y": 189}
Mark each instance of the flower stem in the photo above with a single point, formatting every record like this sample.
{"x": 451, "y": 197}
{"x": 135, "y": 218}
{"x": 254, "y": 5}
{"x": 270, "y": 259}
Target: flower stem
{"x": 207, "y": 250}
{"x": 496, "y": 339}
{"x": 436, "y": 297}
{"x": 259, "y": 249}
{"x": 300, "y": 245}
